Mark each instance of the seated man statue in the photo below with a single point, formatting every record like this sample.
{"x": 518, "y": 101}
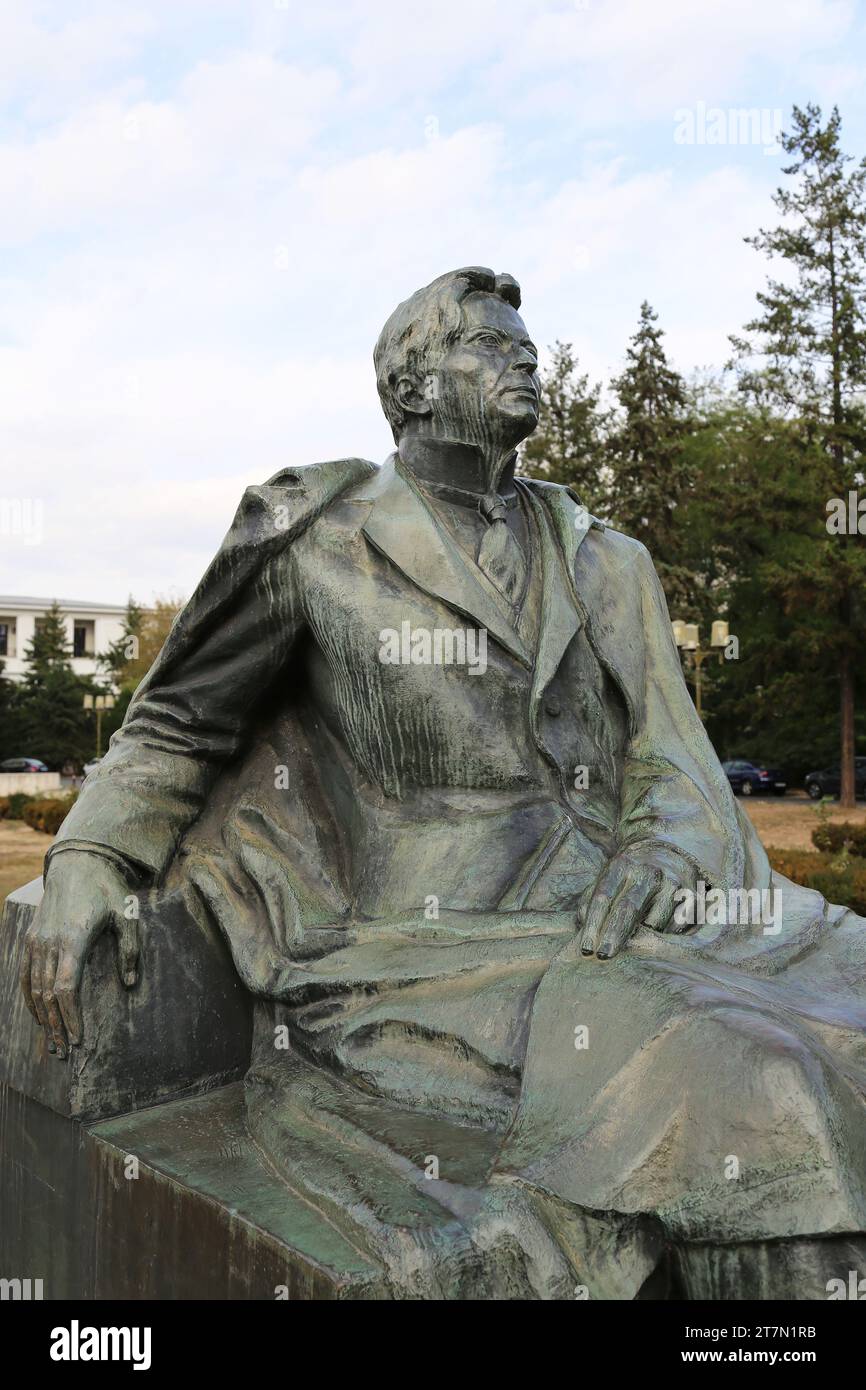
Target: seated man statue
{"x": 421, "y": 747}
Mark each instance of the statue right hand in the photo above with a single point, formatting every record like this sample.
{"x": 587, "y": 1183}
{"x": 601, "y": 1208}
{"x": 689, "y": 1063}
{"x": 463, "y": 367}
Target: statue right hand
{"x": 85, "y": 895}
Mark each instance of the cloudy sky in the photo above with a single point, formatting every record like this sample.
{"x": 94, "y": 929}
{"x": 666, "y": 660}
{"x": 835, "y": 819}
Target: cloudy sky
{"x": 209, "y": 207}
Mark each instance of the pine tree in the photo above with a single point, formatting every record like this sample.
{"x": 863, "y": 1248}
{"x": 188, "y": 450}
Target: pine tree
{"x": 123, "y": 655}
{"x": 568, "y": 446}
{"x": 52, "y": 724}
{"x": 751, "y": 540}
{"x": 49, "y": 647}
{"x": 145, "y": 631}
{"x": 646, "y": 449}
{"x": 805, "y": 354}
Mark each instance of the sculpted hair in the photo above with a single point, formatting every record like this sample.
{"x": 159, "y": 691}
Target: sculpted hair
{"x": 422, "y": 328}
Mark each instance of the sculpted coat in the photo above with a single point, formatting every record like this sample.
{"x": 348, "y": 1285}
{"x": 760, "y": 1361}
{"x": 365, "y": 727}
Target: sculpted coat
{"x": 400, "y": 854}
{"x": 410, "y": 781}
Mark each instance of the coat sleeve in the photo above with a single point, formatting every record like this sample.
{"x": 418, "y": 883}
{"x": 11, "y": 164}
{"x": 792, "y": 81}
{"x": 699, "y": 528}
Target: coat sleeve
{"x": 193, "y": 711}
{"x": 676, "y": 799}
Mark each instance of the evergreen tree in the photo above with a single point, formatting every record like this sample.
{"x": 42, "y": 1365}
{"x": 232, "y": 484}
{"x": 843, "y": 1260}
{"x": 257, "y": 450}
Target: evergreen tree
{"x": 805, "y": 354}
{"x": 145, "y": 631}
{"x": 750, "y": 536}
{"x": 52, "y": 724}
{"x": 125, "y": 652}
{"x": 568, "y": 446}
{"x": 647, "y": 454}
{"x": 49, "y": 647}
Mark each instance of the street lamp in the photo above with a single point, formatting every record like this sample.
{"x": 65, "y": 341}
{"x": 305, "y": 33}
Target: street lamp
{"x": 99, "y": 703}
{"x": 688, "y": 638}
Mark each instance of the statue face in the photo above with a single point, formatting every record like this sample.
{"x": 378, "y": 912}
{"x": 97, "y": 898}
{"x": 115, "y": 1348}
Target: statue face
{"x": 486, "y": 390}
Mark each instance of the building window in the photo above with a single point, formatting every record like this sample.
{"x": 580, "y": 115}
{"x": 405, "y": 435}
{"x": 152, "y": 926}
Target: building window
{"x": 82, "y": 638}
{"x": 7, "y": 637}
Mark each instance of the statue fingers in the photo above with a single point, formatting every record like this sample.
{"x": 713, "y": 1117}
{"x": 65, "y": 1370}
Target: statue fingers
{"x": 36, "y": 988}
{"x": 626, "y": 913}
{"x": 662, "y": 906}
{"x": 583, "y": 902}
{"x": 25, "y": 976}
{"x": 606, "y": 890}
{"x": 55, "y": 1027}
{"x": 67, "y": 989}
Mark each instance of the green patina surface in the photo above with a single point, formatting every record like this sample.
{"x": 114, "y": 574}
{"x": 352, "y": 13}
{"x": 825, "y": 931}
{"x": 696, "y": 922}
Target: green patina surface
{"x": 203, "y": 1145}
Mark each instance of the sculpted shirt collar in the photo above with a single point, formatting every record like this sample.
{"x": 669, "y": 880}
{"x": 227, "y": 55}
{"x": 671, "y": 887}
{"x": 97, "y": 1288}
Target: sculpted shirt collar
{"x": 452, "y": 471}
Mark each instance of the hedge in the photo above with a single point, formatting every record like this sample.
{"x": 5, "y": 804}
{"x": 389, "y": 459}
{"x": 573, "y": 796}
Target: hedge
{"x": 48, "y": 813}
{"x": 833, "y": 836}
{"x": 843, "y": 883}
{"x": 12, "y": 807}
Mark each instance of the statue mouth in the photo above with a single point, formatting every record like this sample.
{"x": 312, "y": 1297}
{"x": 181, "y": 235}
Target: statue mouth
{"x": 526, "y": 391}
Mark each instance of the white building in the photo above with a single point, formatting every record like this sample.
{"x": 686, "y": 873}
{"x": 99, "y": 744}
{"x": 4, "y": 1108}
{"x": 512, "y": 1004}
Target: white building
{"x": 90, "y": 629}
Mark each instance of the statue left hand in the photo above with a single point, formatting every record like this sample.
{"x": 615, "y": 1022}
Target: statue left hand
{"x": 631, "y": 891}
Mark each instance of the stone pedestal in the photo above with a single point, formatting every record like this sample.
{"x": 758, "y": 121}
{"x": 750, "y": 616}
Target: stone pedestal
{"x": 126, "y": 1171}
{"x": 171, "y": 1202}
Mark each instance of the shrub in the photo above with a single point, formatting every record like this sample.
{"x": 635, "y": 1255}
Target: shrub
{"x": 841, "y": 880}
{"x": 12, "y": 807}
{"x": 48, "y": 813}
{"x": 833, "y": 836}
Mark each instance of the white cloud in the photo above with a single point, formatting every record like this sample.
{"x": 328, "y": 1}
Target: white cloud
{"x": 197, "y": 262}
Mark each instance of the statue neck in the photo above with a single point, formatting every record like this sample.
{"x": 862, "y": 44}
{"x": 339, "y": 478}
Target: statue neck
{"x": 448, "y": 467}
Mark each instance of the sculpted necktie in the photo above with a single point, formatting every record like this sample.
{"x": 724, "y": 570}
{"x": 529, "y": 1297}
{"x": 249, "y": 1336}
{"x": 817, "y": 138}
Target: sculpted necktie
{"x": 499, "y": 554}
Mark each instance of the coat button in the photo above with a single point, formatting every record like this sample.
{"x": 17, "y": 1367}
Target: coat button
{"x": 552, "y": 707}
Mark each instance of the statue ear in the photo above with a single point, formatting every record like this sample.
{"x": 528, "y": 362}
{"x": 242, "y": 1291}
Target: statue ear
{"x": 414, "y": 399}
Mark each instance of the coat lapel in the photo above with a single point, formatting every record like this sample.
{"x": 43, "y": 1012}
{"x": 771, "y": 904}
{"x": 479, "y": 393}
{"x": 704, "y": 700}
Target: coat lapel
{"x": 590, "y": 593}
{"x": 561, "y": 610}
{"x": 570, "y": 521}
{"x": 402, "y": 527}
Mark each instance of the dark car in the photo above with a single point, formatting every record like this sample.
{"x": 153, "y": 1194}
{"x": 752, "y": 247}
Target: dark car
{"x": 746, "y": 778}
{"x": 827, "y": 781}
{"x": 23, "y": 765}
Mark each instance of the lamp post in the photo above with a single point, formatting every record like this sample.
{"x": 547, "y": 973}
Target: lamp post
{"x": 99, "y": 703}
{"x": 688, "y": 639}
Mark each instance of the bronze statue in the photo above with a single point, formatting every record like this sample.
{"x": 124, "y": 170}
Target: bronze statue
{"x": 421, "y": 747}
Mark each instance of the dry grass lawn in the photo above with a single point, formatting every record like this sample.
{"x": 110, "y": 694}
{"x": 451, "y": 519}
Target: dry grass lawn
{"x": 22, "y": 851}
{"x": 787, "y": 822}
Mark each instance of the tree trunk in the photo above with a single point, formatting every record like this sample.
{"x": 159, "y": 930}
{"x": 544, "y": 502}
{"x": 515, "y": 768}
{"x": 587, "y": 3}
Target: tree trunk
{"x": 846, "y": 760}
{"x": 847, "y": 798}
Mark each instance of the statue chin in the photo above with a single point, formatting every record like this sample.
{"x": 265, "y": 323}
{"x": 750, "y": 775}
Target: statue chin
{"x": 515, "y": 413}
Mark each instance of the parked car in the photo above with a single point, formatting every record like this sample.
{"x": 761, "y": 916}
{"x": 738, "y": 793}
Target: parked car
{"x": 746, "y": 778}
{"x": 23, "y": 765}
{"x": 827, "y": 781}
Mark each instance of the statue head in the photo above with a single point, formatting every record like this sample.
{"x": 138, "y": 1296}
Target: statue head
{"x": 455, "y": 362}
